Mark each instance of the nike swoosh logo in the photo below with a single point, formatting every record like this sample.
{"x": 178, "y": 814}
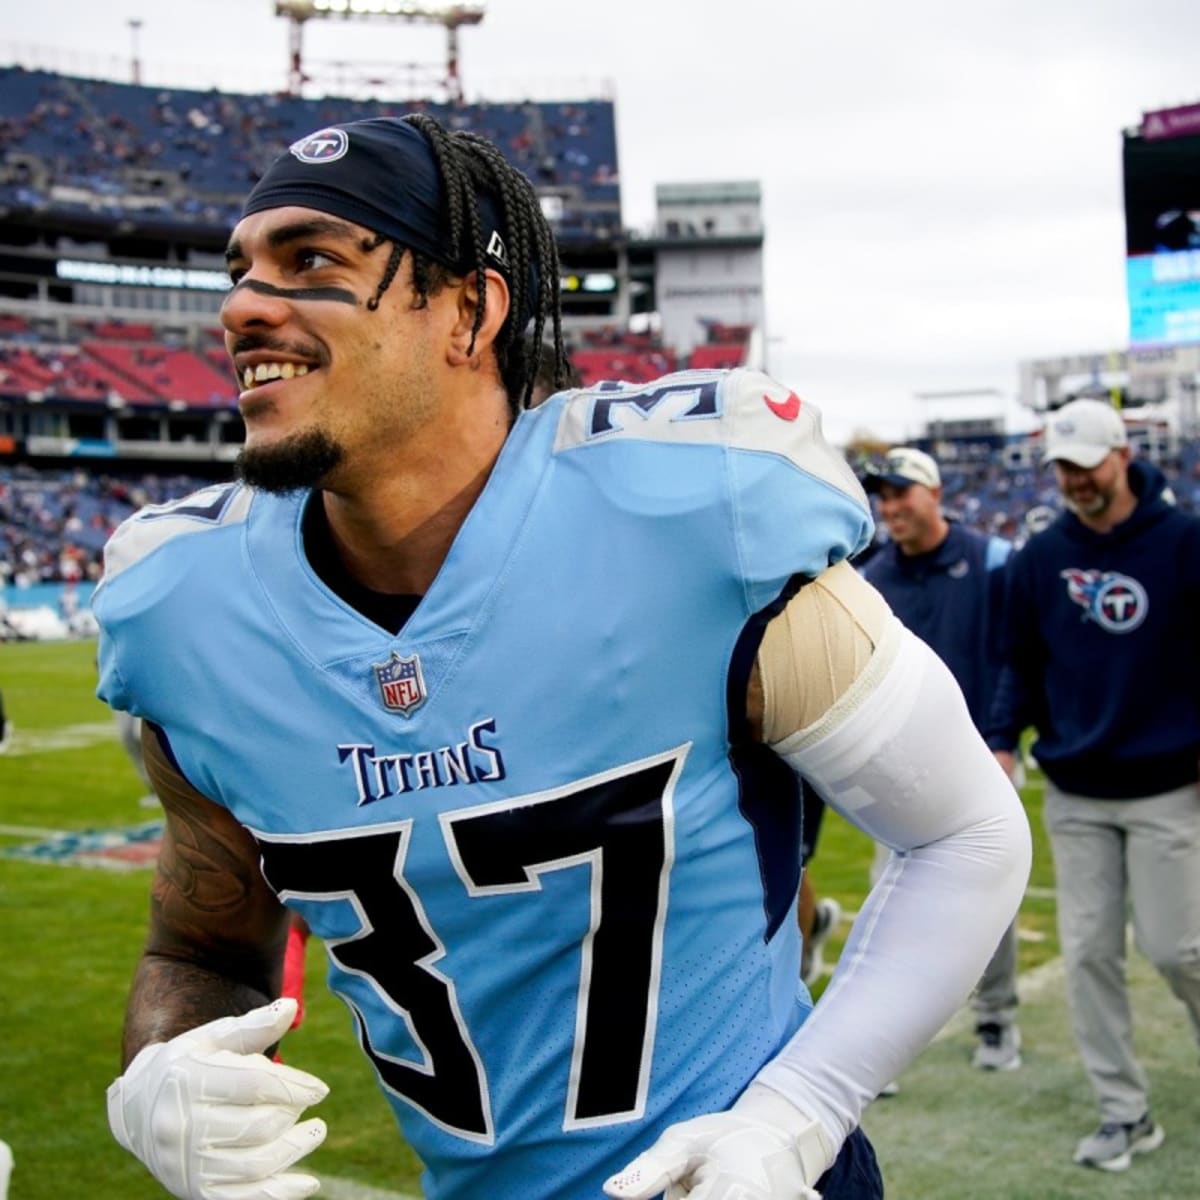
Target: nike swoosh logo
{"x": 785, "y": 410}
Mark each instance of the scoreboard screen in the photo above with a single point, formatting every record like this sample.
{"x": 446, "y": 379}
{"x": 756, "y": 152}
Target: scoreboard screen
{"x": 1162, "y": 228}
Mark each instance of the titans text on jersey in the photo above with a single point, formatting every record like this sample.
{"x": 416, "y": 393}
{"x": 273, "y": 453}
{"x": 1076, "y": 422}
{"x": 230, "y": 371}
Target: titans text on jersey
{"x": 378, "y": 775}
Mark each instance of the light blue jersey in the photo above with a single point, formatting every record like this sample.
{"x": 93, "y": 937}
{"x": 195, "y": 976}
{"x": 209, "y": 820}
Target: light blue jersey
{"x": 555, "y": 884}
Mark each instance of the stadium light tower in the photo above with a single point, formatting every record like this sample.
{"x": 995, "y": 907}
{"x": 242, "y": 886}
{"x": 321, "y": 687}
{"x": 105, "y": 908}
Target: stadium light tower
{"x": 451, "y": 16}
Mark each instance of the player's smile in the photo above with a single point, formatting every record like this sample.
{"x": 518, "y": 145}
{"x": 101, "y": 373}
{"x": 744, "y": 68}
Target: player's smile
{"x": 259, "y": 376}
{"x": 268, "y": 373}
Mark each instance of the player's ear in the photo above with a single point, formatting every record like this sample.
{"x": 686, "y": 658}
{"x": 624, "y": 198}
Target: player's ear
{"x": 495, "y": 310}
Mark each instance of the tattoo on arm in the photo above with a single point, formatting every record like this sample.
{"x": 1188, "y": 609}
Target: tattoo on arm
{"x": 217, "y": 931}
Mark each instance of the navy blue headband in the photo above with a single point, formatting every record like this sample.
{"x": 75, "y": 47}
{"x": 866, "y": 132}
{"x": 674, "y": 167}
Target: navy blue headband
{"x": 382, "y": 174}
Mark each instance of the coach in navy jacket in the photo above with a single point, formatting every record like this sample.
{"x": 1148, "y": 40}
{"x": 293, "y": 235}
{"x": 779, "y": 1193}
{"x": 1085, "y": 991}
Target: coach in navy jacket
{"x": 942, "y": 579}
{"x": 946, "y": 583}
{"x": 1104, "y": 661}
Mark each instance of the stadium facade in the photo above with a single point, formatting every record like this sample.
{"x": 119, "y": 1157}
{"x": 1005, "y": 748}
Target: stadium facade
{"x": 116, "y": 201}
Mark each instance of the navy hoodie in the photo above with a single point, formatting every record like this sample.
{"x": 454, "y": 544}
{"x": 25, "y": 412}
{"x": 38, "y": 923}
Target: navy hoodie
{"x": 950, "y": 598}
{"x": 1103, "y": 650}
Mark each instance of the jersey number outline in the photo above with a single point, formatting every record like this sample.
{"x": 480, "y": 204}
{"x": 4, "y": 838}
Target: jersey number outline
{"x": 618, "y": 824}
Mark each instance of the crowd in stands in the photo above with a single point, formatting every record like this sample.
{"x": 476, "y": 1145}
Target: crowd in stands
{"x": 177, "y": 156}
{"x": 140, "y": 364}
{"x": 53, "y": 524}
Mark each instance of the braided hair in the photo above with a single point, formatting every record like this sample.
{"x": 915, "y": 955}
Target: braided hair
{"x": 469, "y": 164}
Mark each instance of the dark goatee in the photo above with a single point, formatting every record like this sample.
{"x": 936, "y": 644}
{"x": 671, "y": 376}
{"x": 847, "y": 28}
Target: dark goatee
{"x": 301, "y": 461}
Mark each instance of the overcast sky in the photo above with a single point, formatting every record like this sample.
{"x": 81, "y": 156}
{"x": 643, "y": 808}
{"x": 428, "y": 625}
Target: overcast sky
{"x": 941, "y": 181}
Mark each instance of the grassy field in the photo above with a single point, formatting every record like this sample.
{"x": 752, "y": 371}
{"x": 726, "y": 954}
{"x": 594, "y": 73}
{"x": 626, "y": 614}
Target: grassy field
{"x": 71, "y": 936}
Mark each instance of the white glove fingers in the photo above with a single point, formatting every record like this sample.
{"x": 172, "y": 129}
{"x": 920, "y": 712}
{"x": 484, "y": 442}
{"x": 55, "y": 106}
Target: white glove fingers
{"x": 699, "y": 1183}
{"x": 248, "y": 1164}
{"x": 213, "y": 1119}
{"x": 650, "y": 1173}
{"x": 764, "y": 1148}
{"x": 235, "y": 1078}
{"x": 251, "y": 1033}
{"x": 292, "y": 1146}
{"x": 245, "y": 1125}
{"x": 279, "y": 1187}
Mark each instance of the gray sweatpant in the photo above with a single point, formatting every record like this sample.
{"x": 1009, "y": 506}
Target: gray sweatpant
{"x": 995, "y": 997}
{"x": 1110, "y": 855}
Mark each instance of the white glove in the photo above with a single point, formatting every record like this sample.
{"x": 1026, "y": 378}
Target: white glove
{"x": 212, "y": 1118}
{"x": 763, "y": 1148}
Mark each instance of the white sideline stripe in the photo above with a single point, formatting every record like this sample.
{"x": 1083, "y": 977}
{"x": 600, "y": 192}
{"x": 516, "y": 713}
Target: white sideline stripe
{"x": 67, "y": 737}
{"x": 335, "y": 1188}
{"x": 29, "y": 831}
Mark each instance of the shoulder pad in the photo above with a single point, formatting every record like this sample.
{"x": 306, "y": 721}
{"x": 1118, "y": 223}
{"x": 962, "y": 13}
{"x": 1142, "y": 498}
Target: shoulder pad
{"x": 156, "y": 524}
{"x": 741, "y": 409}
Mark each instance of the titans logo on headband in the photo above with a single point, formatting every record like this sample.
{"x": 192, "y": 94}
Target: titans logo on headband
{"x": 324, "y": 146}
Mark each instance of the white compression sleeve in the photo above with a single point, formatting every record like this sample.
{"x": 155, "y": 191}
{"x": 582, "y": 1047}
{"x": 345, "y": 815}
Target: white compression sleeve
{"x": 898, "y": 756}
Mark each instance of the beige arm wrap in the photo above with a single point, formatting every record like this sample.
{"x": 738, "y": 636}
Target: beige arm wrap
{"x": 816, "y": 648}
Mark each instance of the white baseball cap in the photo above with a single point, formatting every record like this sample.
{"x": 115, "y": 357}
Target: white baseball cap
{"x": 904, "y": 465}
{"x": 1083, "y": 432}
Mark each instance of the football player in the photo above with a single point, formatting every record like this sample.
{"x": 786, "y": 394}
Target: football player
{"x": 508, "y": 705}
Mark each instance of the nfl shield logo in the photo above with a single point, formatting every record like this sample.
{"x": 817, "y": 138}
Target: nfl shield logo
{"x": 401, "y": 684}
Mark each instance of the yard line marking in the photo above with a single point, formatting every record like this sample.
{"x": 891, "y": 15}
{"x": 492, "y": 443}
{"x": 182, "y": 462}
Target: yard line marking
{"x": 68, "y": 737}
{"x": 32, "y": 831}
{"x": 335, "y": 1188}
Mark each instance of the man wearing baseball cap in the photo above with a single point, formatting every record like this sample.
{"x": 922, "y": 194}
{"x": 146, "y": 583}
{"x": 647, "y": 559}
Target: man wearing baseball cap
{"x": 1102, "y": 659}
{"x": 1083, "y": 432}
{"x": 1087, "y": 443}
{"x": 945, "y": 581}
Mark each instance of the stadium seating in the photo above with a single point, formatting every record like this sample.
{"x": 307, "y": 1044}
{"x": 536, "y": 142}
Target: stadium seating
{"x": 128, "y": 361}
{"x": 67, "y": 372}
{"x": 125, "y": 365}
{"x": 168, "y": 374}
{"x": 171, "y": 156}
{"x": 54, "y": 523}
{"x": 629, "y": 363}
{"x": 717, "y": 357}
